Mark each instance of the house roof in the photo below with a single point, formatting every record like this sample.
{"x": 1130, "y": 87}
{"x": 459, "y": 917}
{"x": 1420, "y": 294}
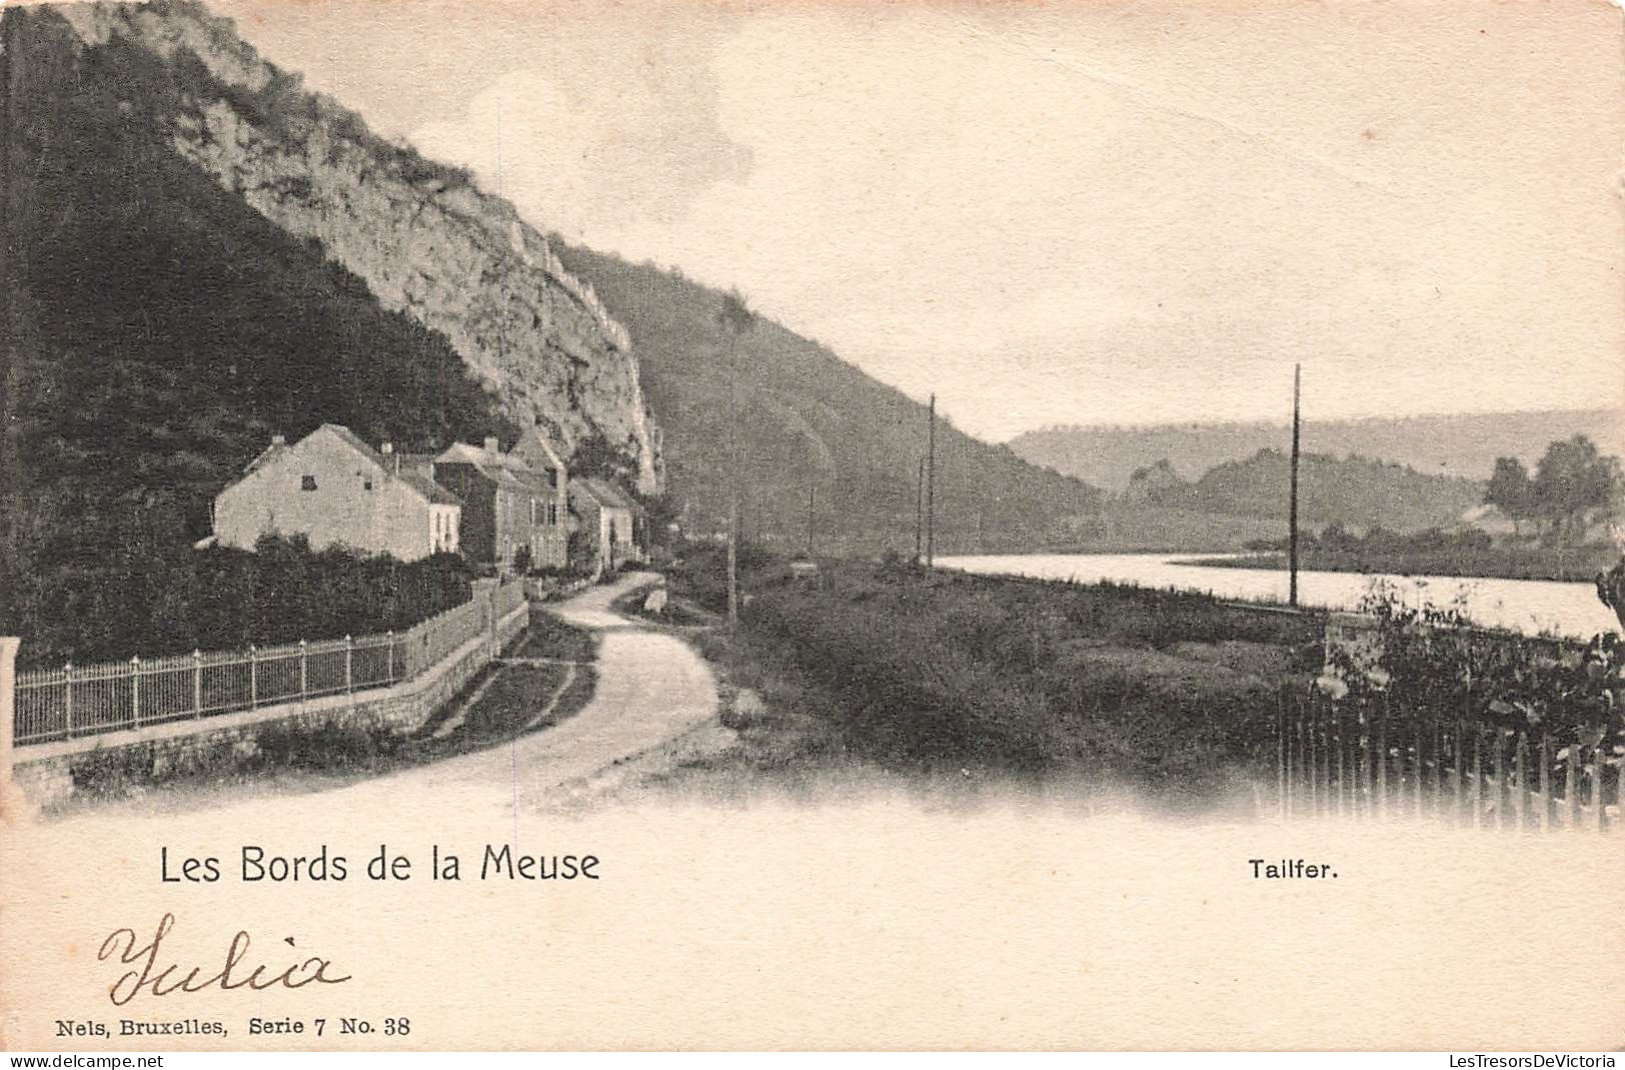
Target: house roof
{"x": 417, "y": 481}
{"x": 270, "y": 452}
{"x": 508, "y": 469}
{"x": 428, "y": 488}
{"x": 605, "y": 494}
{"x": 421, "y": 463}
{"x": 355, "y": 442}
{"x": 463, "y": 453}
{"x": 533, "y": 441}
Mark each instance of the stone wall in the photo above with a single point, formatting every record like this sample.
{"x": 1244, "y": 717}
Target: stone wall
{"x": 45, "y": 772}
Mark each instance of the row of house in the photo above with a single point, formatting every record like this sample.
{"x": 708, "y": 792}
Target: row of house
{"x": 496, "y": 508}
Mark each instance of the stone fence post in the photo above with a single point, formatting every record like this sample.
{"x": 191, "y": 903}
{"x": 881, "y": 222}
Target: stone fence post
{"x": 11, "y": 797}
{"x": 485, "y": 592}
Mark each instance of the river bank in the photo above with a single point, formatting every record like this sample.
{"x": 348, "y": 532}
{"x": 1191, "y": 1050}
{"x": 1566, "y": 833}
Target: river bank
{"x": 878, "y": 671}
{"x": 1526, "y": 606}
{"x": 1579, "y": 564}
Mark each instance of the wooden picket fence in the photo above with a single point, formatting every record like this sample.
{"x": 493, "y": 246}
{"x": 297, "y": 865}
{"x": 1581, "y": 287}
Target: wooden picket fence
{"x": 1362, "y": 760}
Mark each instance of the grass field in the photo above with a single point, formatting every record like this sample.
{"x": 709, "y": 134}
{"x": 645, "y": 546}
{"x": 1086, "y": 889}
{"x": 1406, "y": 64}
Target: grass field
{"x": 954, "y": 675}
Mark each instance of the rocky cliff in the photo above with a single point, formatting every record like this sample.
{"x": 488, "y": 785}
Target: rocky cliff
{"x": 425, "y": 240}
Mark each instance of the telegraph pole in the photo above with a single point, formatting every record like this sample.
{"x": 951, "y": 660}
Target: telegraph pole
{"x": 919, "y": 512}
{"x": 810, "y": 488}
{"x": 733, "y": 483}
{"x": 1292, "y": 522}
{"x": 931, "y": 485}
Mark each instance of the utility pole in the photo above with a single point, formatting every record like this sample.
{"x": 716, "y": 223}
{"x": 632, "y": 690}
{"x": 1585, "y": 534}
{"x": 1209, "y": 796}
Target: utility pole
{"x": 919, "y": 512}
{"x": 810, "y": 490}
{"x": 931, "y": 485}
{"x": 1292, "y": 522}
{"x": 737, "y": 318}
{"x": 733, "y": 482}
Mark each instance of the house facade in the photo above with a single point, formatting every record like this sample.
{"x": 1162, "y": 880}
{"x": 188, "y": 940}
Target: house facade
{"x": 610, "y": 520}
{"x": 509, "y": 503}
{"x": 552, "y": 479}
{"x": 334, "y": 489}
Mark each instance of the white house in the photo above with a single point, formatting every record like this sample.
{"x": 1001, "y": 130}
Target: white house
{"x": 336, "y": 490}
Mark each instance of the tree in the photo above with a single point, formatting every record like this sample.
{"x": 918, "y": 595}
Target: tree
{"x": 1571, "y": 480}
{"x": 1510, "y": 490}
{"x": 1337, "y": 538}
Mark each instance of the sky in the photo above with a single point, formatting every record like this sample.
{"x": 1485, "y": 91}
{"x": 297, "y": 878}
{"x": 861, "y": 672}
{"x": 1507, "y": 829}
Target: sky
{"x": 1086, "y": 212}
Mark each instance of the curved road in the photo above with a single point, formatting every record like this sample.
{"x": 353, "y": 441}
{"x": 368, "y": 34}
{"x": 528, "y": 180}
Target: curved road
{"x": 651, "y": 689}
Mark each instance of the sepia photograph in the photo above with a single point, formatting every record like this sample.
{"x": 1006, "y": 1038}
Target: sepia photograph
{"x": 549, "y": 524}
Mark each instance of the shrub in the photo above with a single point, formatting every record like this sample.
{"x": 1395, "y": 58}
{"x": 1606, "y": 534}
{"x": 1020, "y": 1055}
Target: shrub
{"x": 1434, "y": 668}
{"x": 224, "y": 599}
{"x": 112, "y": 773}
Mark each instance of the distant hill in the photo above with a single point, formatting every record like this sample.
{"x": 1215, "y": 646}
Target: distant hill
{"x": 1241, "y": 502}
{"x": 1464, "y": 446}
{"x": 1358, "y": 494}
{"x": 809, "y": 419}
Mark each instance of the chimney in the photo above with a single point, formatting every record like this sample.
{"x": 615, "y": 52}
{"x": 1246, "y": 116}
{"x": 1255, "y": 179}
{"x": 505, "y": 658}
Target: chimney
{"x": 279, "y": 440}
{"x": 491, "y": 445}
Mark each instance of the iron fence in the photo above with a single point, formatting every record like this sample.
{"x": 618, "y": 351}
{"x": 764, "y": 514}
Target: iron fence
{"x": 74, "y": 701}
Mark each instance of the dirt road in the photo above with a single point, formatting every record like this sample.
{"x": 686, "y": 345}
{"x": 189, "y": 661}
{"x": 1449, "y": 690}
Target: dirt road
{"x": 651, "y": 690}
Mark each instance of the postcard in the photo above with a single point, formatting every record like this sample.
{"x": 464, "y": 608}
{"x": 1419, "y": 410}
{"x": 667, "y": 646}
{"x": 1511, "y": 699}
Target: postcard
{"x": 811, "y": 525}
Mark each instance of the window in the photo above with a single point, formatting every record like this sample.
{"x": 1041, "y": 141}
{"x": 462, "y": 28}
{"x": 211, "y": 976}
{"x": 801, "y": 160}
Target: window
{"x": 553, "y": 513}
{"x": 307, "y": 482}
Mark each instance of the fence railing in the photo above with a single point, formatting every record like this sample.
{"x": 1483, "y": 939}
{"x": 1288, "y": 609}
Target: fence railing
{"x": 1360, "y": 759}
{"x": 74, "y": 701}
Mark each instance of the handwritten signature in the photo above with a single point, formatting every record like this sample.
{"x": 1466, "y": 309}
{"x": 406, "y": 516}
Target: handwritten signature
{"x": 170, "y": 978}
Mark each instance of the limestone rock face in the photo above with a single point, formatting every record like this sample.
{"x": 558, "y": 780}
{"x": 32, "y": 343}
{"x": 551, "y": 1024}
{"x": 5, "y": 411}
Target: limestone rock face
{"x": 425, "y": 239}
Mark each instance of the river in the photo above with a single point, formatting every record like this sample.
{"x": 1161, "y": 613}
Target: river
{"x": 1527, "y": 606}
